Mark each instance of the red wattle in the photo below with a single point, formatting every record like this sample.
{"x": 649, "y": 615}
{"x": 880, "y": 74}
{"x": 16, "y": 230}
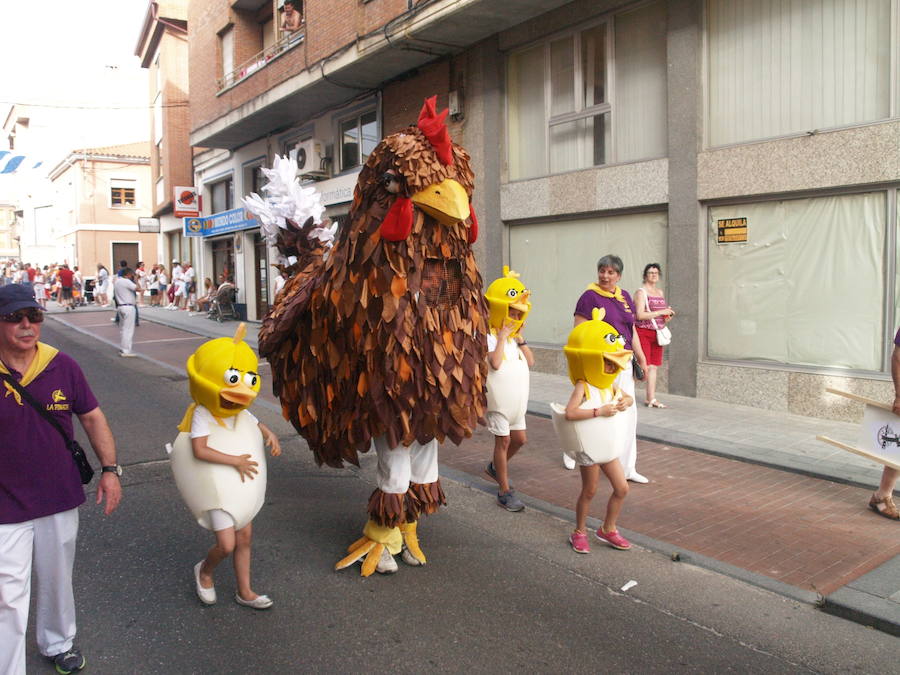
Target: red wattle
{"x": 473, "y": 228}
{"x": 398, "y": 222}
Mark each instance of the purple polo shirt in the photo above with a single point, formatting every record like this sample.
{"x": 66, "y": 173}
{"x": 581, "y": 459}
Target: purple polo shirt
{"x": 38, "y": 476}
{"x": 897, "y": 338}
{"x": 619, "y": 316}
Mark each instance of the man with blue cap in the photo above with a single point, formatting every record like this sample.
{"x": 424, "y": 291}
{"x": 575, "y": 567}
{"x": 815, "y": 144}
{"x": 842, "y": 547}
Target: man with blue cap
{"x": 40, "y": 483}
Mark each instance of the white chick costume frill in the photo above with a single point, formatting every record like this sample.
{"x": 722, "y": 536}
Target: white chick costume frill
{"x": 223, "y": 380}
{"x": 596, "y": 354}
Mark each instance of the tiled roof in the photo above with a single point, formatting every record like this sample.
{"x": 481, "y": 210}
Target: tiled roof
{"x": 133, "y": 150}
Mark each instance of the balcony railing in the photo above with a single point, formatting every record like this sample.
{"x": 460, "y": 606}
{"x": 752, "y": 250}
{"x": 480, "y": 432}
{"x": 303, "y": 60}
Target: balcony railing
{"x": 261, "y": 60}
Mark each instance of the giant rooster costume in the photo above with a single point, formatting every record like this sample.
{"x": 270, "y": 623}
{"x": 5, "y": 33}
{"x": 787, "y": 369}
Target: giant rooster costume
{"x": 380, "y": 340}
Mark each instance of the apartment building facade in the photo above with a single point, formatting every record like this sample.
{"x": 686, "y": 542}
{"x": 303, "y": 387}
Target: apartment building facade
{"x": 99, "y": 194}
{"x": 162, "y": 47}
{"x": 753, "y": 149}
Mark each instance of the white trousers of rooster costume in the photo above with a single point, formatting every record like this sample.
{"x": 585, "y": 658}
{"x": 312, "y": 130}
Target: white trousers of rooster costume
{"x": 400, "y": 466}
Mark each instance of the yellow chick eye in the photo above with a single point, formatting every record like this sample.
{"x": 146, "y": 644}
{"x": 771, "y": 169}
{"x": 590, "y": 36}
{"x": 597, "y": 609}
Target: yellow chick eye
{"x": 611, "y": 338}
{"x": 232, "y": 376}
{"x": 250, "y": 379}
{"x": 512, "y": 292}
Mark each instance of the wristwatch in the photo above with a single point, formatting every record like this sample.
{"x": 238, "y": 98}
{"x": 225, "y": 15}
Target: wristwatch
{"x": 112, "y": 468}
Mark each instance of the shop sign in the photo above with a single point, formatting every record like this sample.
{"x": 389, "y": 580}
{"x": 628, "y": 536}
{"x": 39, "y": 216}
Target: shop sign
{"x": 732, "y": 230}
{"x": 218, "y": 223}
{"x": 148, "y": 225}
{"x": 187, "y": 202}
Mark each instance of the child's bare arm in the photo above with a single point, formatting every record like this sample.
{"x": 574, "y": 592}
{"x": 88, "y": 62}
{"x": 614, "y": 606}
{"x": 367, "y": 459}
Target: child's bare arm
{"x": 526, "y": 351}
{"x": 623, "y": 401}
{"x": 573, "y": 412}
{"x": 495, "y": 358}
{"x": 241, "y": 463}
{"x": 270, "y": 439}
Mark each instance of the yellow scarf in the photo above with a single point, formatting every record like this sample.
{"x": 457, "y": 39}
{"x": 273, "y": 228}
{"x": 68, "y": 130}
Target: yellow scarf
{"x": 617, "y": 294}
{"x": 43, "y": 357}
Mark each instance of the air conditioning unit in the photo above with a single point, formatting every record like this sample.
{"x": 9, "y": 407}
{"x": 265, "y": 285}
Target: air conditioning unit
{"x": 310, "y": 154}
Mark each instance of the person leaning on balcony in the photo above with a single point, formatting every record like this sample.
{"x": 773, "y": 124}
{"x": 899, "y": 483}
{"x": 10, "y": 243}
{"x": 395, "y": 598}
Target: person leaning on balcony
{"x": 292, "y": 16}
{"x": 882, "y": 502}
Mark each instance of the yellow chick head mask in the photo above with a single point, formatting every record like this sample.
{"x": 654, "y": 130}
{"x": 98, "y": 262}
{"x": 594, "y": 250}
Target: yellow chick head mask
{"x": 223, "y": 374}
{"x": 596, "y": 352}
{"x": 505, "y": 294}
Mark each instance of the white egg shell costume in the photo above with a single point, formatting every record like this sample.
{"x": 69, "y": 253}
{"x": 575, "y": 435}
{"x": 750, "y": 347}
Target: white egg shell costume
{"x": 206, "y": 485}
{"x": 507, "y": 387}
{"x": 598, "y": 439}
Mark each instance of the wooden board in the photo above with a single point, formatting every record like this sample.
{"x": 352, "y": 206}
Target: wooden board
{"x": 860, "y": 399}
{"x": 862, "y": 453}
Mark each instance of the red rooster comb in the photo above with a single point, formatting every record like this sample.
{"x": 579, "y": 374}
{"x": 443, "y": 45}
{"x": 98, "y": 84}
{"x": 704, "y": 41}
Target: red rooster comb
{"x": 432, "y": 125}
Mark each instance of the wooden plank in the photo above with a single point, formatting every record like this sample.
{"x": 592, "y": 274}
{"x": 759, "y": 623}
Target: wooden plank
{"x": 861, "y": 453}
{"x": 860, "y": 399}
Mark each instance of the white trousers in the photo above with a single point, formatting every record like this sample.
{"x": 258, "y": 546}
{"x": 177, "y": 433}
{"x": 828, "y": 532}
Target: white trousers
{"x": 399, "y": 466}
{"x": 126, "y": 326}
{"x": 46, "y": 545}
{"x": 628, "y": 457}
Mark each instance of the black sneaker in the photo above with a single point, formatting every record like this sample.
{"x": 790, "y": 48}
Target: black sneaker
{"x": 509, "y": 501}
{"x": 69, "y": 662}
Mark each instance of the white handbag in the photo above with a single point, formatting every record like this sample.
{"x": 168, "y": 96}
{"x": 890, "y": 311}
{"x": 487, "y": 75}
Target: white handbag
{"x": 663, "y": 335}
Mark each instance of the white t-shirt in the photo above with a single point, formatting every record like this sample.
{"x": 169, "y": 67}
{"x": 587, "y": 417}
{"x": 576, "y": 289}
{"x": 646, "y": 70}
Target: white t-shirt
{"x": 510, "y": 349}
{"x": 124, "y": 291}
{"x": 203, "y": 420}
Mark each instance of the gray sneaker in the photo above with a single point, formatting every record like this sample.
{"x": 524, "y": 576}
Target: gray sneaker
{"x": 492, "y": 473}
{"x": 509, "y": 501}
{"x": 69, "y": 662}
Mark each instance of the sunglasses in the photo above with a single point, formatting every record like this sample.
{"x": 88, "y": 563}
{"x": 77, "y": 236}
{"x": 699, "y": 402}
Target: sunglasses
{"x": 33, "y": 315}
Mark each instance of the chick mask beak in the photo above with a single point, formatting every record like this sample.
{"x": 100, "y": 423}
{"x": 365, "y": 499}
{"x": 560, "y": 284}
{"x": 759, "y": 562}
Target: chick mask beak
{"x": 223, "y": 374}
{"x": 596, "y": 352}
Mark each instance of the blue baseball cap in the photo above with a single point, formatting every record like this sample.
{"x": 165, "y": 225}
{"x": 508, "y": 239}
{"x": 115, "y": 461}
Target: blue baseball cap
{"x": 14, "y": 297}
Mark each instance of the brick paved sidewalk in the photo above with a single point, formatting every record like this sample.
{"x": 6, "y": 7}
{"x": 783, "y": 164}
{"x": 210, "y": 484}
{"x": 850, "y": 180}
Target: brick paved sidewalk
{"x": 802, "y": 531}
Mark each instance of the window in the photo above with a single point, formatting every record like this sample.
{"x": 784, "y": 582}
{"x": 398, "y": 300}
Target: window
{"x": 572, "y": 117}
{"x": 359, "y": 136}
{"x": 226, "y": 49}
{"x": 221, "y": 195}
{"x": 558, "y": 259}
{"x": 778, "y": 68}
{"x": 122, "y": 193}
{"x": 808, "y": 286}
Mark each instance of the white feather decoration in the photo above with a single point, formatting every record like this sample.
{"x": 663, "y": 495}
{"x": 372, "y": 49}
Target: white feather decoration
{"x": 287, "y": 200}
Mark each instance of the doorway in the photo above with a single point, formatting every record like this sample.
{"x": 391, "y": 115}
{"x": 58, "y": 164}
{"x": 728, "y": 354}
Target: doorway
{"x": 127, "y": 251}
{"x": 261, "y": 266}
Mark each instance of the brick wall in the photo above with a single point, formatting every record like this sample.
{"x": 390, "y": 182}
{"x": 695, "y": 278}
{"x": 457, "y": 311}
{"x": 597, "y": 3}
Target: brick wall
{"x": 330, "y": 26}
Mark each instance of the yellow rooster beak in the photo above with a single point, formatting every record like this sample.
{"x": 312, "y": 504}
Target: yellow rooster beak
{"x": 446, "y": 202}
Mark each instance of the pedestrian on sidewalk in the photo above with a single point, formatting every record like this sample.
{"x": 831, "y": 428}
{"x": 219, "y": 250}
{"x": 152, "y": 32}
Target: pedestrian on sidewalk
{"x": 653, "y": 313}
{"x": 620, "y": 313}
{"x": 596, "y": 416}
{"x": 125, "y": 293}
{"x": 101, "y": 288}
{"x": 66, "y": 284}
{"x": 882, "y": 502}
{"x": 509, "y": 360}
{"x": 40, "y": 485}
{"x": 163, "y": 300}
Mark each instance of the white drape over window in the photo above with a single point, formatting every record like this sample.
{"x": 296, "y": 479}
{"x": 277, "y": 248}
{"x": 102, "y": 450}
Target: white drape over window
{"x": 784, "y": 66}
{"x": 563, "y": 111}
{"x": 808, "y": 286}
{"x": 558, "y": 260}
{"x": 639, "y": 117}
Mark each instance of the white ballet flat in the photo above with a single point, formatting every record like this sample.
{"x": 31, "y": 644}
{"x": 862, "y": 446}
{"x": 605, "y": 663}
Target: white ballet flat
{"x": 259, "y": 602}
{"x": 207, "y": 595}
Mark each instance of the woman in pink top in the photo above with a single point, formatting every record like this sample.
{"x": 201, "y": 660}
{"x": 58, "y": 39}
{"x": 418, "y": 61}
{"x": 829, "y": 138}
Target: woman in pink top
{"x": 652, "y": 312}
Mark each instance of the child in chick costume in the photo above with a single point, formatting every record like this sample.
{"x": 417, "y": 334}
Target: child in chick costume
{"x": 509, "y": 359}
{"x": 589, "y": 427}
{"x": 219, "y": 462}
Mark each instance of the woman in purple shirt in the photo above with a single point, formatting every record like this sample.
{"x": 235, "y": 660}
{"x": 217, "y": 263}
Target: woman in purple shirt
{"x": 620, "y": 314}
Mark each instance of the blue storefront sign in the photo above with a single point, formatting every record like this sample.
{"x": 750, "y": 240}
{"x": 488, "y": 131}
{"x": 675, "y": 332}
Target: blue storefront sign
{"x": 218, "y": 223}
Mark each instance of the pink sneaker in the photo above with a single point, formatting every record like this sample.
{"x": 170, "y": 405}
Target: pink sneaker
{"x": 614, "y": 539}
{"x": 580, "y": 543}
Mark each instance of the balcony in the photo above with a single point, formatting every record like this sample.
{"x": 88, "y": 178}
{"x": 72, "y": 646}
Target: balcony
{"x": 259, "y": 61}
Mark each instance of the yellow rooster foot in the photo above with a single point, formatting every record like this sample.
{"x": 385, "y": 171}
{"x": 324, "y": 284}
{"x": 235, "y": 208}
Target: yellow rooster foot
{"x": 375, "y": 549}
{"x": 412, "y": 553}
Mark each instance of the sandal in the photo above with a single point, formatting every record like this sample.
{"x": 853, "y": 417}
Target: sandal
{"x": 889, "y": 510}
{"x": 654, "y": 404}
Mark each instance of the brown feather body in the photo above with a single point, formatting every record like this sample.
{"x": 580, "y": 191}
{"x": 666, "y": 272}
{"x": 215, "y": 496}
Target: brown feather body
{"x": 357, "y": 348}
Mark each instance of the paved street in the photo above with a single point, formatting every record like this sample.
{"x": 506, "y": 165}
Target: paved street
{"x": 502, "y": 591}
